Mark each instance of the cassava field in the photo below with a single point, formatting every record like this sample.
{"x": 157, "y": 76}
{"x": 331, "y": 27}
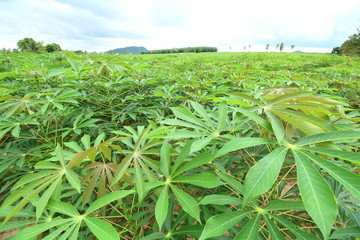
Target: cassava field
{"x": 180, "y": 146}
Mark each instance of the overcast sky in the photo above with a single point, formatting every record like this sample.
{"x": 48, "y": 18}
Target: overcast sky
{"x": 101, "y": 25}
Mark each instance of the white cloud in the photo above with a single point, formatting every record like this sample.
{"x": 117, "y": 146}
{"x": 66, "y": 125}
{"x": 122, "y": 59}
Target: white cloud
{"x": 102, "y": 25}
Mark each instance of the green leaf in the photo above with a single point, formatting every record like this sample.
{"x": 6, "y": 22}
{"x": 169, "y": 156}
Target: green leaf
{"x": 274, "y": 231}
{"x": 199, "y": 160}
{"x": 101, "y": 229}
{"x": 165, "y": 159}
{"x": 348, "y": 156}
{"x": 202, "y": 112}
{"x": 192, "y": 230}
{"x": 295, "y": 229}
{"x": 231, "y": 181}
{"x": 218, "y": 224}
{"x": 183, "y": 133}
{"x": 58, "y": 231}
{"x": 186, "y": 115}
{"x": 278, "y": 205}
{"x": 222, "y": 114}
{"x": 162, "y": 206}
{"x": 47, "y": 165}
{"x": 218, "y": 199}
{"x": 349, "y": 179}
{"x": 60, "y": 155}
{"x": 73, "y": 179}
{"x": 187, "y": 202}
{"x": 205, "y": 180}
{"x": 182, "y": 156}
{"x": 139, "y": 180}
{"x": 255, "y": 117}
{"x": 319, "y": 200}
{"x": 263, "y": 174}
{"x": 17, "y": 224}
{"x": 277, "y": 127}
{"x": 201, "y": 143}
{"x": 16, "y": 131}
{"x": 251, "y": 229}
{"x": 288, "y": 96}
{"x": 41, "y": 204}
{"x": 343, "y": 233}
{"x": 329, "y": 136}
{"x": 62, "y": 207}
{"x": 33, "y": 231}
{"x": 240, "y": 143}
{"x": 111, "y": 197}
{"x": 123, "y": 166}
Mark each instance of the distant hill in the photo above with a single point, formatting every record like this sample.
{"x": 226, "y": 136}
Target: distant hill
{"x": 128, "y": 50}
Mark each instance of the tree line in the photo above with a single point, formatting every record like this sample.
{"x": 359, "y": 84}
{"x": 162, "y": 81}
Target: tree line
{"x": 182, "y": 50}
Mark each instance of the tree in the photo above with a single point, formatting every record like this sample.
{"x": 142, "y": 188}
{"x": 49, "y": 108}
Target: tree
{"x": 267, "y": 47}
{"x": 30, "y": 45}
{"x": 352, "y": 45}
{"x": 281, "y": 47}
{"x": 336, "y": 50}
{"x": 52, "y": 47}
{"x": 277, "y": 46}
{"x": 292, "y": 46}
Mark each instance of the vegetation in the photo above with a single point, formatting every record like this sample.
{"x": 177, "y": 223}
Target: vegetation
{"x": 30, "y": 45}
{"x": 52, "y": 47}
{"x": 352, "y": 45}
{"x": 202, "y": 146}
{"x": 128, "y": 50}
{"x": 182, "y": 50}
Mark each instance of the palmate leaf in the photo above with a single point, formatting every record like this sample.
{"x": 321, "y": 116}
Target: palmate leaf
{"x": 101, "y": 229}
{"x": 263, "y": 174}
{"x": 218, "y": 224}
{"x": 319, "y": 200}
{"x": 251, "y": 229}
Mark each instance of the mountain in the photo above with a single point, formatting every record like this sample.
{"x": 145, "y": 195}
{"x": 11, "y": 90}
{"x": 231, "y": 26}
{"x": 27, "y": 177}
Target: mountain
{"x": 128, "y": 50}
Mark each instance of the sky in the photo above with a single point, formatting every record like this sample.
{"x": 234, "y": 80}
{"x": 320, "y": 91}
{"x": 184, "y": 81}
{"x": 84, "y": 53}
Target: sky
{"x": 229, "y": 25}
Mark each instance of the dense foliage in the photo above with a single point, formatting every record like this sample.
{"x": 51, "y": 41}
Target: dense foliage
{"x": 52, "y": 47}
{"x": 179, "y": 146}
{"x": 182, "y": 50}
{"x": 352, "y": 45}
